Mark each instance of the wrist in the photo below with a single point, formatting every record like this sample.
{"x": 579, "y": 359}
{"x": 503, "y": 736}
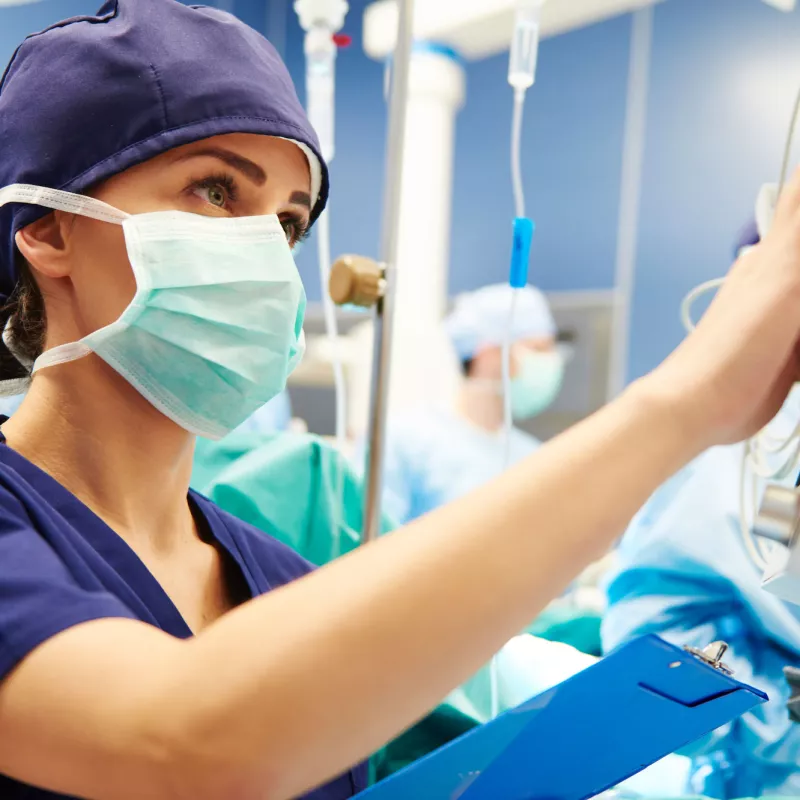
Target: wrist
{"x": 674, "y": 414}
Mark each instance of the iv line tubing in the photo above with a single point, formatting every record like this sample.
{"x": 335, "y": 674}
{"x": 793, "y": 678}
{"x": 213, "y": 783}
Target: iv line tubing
{"x": 516, "y": 143}
{"x": 507, "y": 414}
{"x": 519, "y": 211}
{"x": 508, "y": 422}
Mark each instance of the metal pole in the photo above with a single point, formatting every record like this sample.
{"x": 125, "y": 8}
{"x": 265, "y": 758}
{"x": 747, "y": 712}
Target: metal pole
{"x": 384, "y": 312}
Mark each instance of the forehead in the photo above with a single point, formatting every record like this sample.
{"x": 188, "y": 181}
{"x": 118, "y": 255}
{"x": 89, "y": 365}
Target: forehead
{"x": 282, "y": 161}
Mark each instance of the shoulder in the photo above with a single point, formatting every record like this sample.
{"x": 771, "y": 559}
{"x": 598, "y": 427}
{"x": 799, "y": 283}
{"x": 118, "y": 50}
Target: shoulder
{"x": 280, "y": 562}
{"x": 23, "y": 505}
{"x": 50, "y": 580}
{"x": 420, "y": 430}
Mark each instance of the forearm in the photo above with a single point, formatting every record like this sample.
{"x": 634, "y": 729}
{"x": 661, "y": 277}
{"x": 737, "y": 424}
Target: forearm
{"x": 321, "y": 673}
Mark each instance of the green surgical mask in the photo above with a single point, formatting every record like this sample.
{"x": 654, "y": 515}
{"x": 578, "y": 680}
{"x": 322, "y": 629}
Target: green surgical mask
{"x": 215, "y": 325}
{"x": 537, "y": 383}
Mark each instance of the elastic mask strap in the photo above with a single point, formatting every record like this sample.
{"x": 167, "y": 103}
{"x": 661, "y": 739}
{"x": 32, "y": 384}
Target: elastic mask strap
{"x": 62, "y": 201}
{"x": 62, "y": 354}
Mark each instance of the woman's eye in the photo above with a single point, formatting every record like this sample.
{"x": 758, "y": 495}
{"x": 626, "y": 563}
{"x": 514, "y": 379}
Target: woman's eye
{"x": 217, "y": 192}
{"x": 216, "y": 196}
{"x": 290, "y": 229}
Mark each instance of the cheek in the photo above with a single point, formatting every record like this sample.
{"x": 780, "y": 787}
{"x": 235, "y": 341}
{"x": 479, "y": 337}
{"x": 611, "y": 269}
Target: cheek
{"x": 491, "y": 367}
{"x": 104, "y": 282}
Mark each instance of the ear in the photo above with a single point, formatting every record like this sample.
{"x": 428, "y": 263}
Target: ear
{"x": 44, "y": 244}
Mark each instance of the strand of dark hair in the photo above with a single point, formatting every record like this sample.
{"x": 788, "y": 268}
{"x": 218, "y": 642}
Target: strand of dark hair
{"x": 28, "y": 323}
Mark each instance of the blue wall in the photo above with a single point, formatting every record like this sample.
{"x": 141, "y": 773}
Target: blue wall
{"x": 572, "y": 157}
{"x": 723, "y": 78}
{"x": 571, "y": 160}
{"x": 16, "y": 22}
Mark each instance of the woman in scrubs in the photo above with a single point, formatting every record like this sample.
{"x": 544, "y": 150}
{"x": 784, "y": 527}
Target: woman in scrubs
{"x": 152, "y": 646}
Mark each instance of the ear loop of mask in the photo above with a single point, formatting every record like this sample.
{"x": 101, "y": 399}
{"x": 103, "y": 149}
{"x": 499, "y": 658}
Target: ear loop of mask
{"x": 56, "y": 200}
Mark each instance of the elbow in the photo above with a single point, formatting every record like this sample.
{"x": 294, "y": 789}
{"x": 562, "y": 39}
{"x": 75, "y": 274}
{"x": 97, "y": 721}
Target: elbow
{"x": 201, "y": 782}
{"x": 186, "y": 768}
{"x": 204, "y": 743}
{"x": 187, "y": 760}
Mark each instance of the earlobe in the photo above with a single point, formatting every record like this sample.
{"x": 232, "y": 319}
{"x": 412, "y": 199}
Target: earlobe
{"x": 43, "y": 245}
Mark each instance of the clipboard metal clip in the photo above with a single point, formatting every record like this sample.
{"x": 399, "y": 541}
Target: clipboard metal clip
{"x": 712, "y": 655}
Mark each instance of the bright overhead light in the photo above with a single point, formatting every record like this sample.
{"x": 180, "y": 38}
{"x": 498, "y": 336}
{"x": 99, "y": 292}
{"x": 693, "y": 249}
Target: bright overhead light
{"x": 5, "y": 3}
{"x": 782, "y": 5}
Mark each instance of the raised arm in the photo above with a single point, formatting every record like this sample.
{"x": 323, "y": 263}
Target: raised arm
{"x": 292, "y": 688}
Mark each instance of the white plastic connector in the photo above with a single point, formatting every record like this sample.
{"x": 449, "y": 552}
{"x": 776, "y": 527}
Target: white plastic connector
{"x": 525, "y": 44}
{"x": 328, "y": 14}
{"x": 319, "y": 45}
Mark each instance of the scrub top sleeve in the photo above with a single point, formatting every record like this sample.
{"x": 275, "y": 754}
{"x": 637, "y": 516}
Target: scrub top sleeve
{"x": 39, "y": 595}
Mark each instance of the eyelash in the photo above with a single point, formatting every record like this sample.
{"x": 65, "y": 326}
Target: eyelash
{"x": 300, "y": 227}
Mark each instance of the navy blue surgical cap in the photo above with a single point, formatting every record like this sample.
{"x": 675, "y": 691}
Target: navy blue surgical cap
{"x": 92, "y": 96}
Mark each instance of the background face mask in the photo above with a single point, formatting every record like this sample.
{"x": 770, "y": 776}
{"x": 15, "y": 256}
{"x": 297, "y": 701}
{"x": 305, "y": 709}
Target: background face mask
{"x": 215, "y": 326}
{"x": 537, "y": 383}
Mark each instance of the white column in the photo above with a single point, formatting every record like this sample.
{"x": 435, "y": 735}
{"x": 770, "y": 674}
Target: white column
{"x": 423, "y": 369}
{"x": 436, "y": 94}
{"x": 437, "y": 88}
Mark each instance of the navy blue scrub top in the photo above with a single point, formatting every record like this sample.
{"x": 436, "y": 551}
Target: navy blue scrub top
{"x": 61, "y": 565}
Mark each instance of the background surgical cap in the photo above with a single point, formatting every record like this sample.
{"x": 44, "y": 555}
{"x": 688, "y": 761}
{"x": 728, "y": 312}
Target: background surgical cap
{"x": 92, "y": 96}
{"x": 748, "y": 237}
{"x": 480, "y": 318}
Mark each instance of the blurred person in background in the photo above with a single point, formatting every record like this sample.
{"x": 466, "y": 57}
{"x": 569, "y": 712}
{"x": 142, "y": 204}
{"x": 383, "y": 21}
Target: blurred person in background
{"x": 434, "y": 456}
{"x": 684, "y": 573}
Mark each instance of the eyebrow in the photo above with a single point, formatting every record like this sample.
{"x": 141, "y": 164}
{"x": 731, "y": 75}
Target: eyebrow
{"x": 248, "y": 168}
{"x": 301, "y": 199}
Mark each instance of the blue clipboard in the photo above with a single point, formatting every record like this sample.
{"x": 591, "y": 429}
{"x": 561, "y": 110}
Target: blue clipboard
{"x": 642, "y": 702}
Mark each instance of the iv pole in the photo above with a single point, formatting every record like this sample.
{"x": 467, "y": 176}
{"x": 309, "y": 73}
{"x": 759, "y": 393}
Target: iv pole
{"x": 384, "y": 310}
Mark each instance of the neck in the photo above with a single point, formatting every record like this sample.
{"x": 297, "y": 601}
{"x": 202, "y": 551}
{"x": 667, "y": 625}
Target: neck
{"x": 91, "y": 431}
{"x": 481, "y": 403}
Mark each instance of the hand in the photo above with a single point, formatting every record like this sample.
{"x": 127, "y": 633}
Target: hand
{"x": 732, "y": 374}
